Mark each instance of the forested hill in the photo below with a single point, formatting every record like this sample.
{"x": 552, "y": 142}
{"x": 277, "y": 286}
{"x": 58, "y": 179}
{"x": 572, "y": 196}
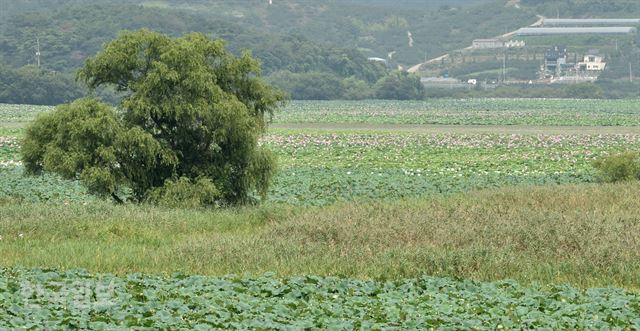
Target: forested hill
{"x": 376, "y": 28}
{"x": 313, "y": 49}
{"x": 68, "y": 33}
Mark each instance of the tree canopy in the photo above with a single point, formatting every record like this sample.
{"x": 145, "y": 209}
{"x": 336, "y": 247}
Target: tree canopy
{"x": 191, "y": 113}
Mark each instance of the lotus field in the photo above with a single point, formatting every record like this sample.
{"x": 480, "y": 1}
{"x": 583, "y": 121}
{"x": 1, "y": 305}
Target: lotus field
{"x": 323, "y": 165}
{"x": 80, "y": 300}
{"x": 337, "y": 162}
{"x": 468, "y": 112}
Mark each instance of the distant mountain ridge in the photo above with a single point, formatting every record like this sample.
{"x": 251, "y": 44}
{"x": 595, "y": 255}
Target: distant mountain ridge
{"x": 324, "y": 41}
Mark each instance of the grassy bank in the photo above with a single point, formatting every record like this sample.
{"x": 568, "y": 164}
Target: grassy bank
{"x": 585, "y": 235}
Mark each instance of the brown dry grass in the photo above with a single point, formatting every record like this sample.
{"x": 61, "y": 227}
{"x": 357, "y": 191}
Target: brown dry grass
{"x": 585, "y": 235}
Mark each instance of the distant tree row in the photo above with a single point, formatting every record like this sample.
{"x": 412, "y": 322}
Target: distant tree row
{"x": 31, "y": 85}
{"x": 323, "y": 86}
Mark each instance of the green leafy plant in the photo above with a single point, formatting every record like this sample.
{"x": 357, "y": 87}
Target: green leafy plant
{"x": 185, "y": 193}
{"x": 76, "y": 299}
{"x": 619, "y": 167}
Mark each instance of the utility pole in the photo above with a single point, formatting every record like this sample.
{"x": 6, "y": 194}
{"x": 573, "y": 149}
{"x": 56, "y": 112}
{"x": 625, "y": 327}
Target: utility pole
{"x": 630, "y": 74}
{"x": 38, "y": 51}
{"x": 504, "y": 68}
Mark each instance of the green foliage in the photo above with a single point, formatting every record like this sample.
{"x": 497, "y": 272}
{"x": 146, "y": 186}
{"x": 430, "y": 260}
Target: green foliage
{"x": 399, "y": 161}
{"x": 322, "y": 86}
{"x": 308, "y": 86}
{"x": 400, "y": 86}
{"x": 319, "y": 168}
{"x": 185, "y": 193}
{"x": 584, "y": 235}
{"x": 492, "y": 70}
{"x": 320, "y": 45}
{"x": 619, "y": 167}
{"x": 584, "y": 91}
{"x": 599, "y": 90}
{"x": 71, "y": 31}
{"x": 60, "y": 299}
{"x": 87, "y": 140}
{"x": 190, "y": 109}
{"x": 45, "y": 188}
{"x": 76, "y": 139}
{"x": 12, "y": 114}
{"x": 374, "y": 29}
{"x": 31, "y": 85}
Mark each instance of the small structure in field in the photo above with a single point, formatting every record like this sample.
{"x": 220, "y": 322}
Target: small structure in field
{"x": 487, "y": 43}
{"x": 554, "y": 60}
{"x": 591, "y": 63}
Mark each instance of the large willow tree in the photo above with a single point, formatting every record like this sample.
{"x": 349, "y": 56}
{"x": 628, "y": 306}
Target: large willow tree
{"x": 192, "y": 113}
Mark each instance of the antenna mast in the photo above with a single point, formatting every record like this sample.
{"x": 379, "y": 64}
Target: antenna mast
{"x": 38, "y": 51}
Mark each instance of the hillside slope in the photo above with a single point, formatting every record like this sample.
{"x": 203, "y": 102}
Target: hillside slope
{"x": 321, "y": 46}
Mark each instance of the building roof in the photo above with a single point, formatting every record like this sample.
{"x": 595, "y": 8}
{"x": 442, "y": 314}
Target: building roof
{"x": 581, "y": 30}
{"x": 439, "y": 80}
{"x": 591, "y": 21}
{"x": 487, "y": 40}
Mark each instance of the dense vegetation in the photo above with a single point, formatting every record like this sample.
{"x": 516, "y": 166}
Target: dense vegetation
{"x": 188, "y": 124}
{"x": 443, "y": 214}
{"x": 31, "y": 85}
{"x": 401, "y": 223}
{"x": 70, "y": 34}
{"x": 584, "y": 235}
{"x": 66, "y": 300}
{"x": 321, "y": 54}
{"x": 341, "y": 151}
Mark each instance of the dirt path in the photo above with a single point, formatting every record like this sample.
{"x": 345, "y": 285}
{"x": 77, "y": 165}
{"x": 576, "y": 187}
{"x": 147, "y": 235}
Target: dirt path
{"x": 470, "y": 129}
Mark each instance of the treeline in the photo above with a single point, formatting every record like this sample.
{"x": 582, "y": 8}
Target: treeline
{"x": 31, "y": 85}
{"x": 68, "y": 35}
{"x": 324, "y": 86}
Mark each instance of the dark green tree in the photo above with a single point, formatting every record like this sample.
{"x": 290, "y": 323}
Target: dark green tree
{"x": 400, "y": 86}
{"x": 191, "y": 111}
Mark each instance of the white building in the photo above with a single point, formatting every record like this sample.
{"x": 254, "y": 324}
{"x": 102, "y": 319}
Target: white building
{"x": 487, "y": 43}
{"x": 514, "y": 44}
{"x": 591, "y": 63}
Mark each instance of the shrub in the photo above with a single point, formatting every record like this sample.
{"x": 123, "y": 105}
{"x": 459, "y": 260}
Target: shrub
{"x": 620, "y": 167}
{"x": 186, "y": 193}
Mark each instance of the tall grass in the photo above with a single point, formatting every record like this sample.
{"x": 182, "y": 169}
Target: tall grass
{"x": 586, "y": 235}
